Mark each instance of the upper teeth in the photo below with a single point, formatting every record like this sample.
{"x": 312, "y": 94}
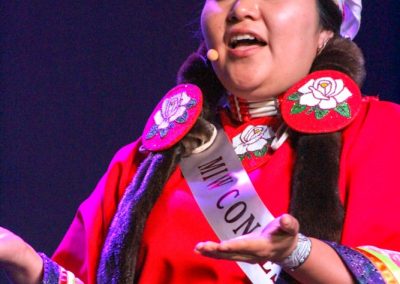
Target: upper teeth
{"x": 242, "y": 37}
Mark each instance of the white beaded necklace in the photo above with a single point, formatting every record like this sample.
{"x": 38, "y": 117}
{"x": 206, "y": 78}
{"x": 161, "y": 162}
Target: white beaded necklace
{"x": 243, "y": 110}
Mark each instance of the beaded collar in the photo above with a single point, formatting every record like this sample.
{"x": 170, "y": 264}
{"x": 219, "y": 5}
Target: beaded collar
{"x": 243, "y": 110}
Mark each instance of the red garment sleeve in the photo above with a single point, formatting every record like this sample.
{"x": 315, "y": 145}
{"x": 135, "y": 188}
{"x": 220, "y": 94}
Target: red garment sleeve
{"x": 370, "y": 159}
{"x": 80, "y": 250}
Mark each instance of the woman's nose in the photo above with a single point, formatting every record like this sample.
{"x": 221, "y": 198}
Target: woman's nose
{"x": 244, "y": 9}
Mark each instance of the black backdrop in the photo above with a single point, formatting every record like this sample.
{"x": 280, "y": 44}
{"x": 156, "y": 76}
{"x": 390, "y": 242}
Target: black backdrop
{"x": 78, "y": 81}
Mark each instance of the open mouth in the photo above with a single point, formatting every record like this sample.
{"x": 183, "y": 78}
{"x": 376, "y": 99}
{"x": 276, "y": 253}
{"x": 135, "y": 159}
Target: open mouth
{"x": 245, "y": 40}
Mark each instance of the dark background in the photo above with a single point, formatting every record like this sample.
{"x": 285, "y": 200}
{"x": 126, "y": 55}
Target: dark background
{"x": 78, "y": 81}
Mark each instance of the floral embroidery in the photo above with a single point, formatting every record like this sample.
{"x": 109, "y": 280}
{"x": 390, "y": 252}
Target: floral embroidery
{"x": 321, "y": 96}
{"x": 253, "y": 140}
{"x": 173, "y": 110}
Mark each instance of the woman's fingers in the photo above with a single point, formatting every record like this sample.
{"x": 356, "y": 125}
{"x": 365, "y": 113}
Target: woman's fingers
{"x": 206, "y": 247}
{"x": 276, "y": 241}
{"x": 243, "y": 244}
{"x": 284, "y": 226}
{"x": 289, "y": 224}
{"x": 245, "y": 248}
{"x": 237, "y": 250}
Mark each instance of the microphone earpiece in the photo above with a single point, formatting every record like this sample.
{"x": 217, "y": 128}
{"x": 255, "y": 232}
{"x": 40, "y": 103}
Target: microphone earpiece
{"x": 212, "y": 55}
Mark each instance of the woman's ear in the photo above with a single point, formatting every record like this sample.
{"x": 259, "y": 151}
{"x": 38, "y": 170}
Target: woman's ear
{"x": 324, "y": 37}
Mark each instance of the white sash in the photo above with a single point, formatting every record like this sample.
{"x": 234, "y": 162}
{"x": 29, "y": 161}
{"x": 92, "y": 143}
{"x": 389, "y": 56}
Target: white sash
{"x": 228, "y": 199}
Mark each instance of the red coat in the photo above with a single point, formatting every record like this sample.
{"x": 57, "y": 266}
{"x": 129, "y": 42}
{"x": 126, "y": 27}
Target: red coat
{"x": 369, "y": 190}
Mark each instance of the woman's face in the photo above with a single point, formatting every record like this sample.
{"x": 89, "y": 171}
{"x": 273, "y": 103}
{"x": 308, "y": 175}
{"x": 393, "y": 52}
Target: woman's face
{"x": 264, "y": 46}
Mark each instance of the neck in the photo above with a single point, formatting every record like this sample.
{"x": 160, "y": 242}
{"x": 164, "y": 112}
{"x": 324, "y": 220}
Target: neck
{"x": 244, "y": 110}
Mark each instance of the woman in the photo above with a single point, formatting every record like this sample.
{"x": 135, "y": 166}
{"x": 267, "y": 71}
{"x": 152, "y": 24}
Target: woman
{"x": 326, "y": 178}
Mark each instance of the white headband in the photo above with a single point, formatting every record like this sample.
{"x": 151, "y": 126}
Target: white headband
{"x": 351, "y": 10}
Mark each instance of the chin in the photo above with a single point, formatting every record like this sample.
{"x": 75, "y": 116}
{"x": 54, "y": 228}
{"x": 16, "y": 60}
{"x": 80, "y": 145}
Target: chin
{"x": 253, "y": 93}
{"x": 251, "y": 89}
{"x": 247, "y": 80}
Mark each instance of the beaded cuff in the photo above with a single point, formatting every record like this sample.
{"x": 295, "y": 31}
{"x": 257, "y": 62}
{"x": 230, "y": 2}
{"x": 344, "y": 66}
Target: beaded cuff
{"x": 51, "y": 270}
{"x": 360, "y": 267}
{"x": 299, "y": 255}
{"x": 56, "y": 274}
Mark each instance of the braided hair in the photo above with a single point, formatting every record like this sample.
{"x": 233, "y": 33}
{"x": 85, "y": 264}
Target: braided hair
{"x": 314, "y": 199}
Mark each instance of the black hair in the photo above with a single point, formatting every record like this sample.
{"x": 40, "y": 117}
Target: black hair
{"x": 330, "y": 15}
{"x": 118, "y": 263}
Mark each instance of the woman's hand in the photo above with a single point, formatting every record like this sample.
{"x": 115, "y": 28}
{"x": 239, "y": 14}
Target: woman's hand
{"x": 276, "y": 241}
{"x": 20, "y": 261}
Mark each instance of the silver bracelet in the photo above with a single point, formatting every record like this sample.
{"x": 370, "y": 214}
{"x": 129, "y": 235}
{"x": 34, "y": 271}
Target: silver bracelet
{"x": 299, "y": 255}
